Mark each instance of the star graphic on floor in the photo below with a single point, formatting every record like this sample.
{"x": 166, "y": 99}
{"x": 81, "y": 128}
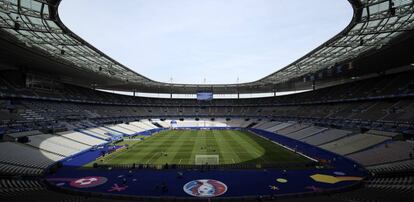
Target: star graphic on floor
{"x": 118, "y": 188}
{"x": 273, "y": 187}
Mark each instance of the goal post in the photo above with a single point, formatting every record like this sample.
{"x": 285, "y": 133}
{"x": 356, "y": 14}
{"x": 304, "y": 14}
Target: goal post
{"x": 207, "y": 159}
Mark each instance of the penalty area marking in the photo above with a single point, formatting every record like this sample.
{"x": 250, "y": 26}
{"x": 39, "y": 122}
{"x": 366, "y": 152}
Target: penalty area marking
{"x": 292, "y": 150}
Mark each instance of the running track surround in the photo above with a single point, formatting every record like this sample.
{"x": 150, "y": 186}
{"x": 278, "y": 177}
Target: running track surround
{"x": 216, "y": 183}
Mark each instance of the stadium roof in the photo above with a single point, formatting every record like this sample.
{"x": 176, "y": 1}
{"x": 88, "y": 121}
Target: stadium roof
{"x": 35, "y": 25}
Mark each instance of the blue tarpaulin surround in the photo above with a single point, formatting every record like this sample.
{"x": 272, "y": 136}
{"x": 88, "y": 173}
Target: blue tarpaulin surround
{"x": 240, "y": 183}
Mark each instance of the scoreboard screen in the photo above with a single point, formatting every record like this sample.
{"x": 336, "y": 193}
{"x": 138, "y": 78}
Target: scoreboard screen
{"x": 206, "y": 96}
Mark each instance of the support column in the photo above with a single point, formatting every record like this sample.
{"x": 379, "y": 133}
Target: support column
{"x": 313, "y": 85}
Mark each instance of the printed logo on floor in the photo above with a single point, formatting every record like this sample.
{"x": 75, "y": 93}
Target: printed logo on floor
{"x": 205, "y": 188}
{"x": 87, "y": 182}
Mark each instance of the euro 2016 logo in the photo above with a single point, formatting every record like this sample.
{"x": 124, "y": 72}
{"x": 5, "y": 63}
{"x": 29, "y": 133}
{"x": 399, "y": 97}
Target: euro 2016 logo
{"x": 205, "y": 188}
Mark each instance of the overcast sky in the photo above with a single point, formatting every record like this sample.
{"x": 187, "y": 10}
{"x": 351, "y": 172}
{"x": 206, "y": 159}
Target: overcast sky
{"x": 215, "y": 40}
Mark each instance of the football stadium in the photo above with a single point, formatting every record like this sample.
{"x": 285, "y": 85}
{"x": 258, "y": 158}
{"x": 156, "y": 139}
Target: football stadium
{"x": 336, "y": 124}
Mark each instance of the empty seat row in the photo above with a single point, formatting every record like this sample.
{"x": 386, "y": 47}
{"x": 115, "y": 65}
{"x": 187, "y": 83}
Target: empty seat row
{"x": 306, "y": 132}
{"x": 57, "y": 144}
{"x": 27, "y": 156}
{"x": 7, "y": 169}
{"x": 384, "y": 153}
{"x": 83, "y": 138}
{"x": 395, "y": 167}
{"x": 354, "y": 143}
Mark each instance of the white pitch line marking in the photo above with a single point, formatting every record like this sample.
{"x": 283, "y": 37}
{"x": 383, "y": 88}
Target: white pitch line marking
{"x": 180, "y": 161}
{"x": 233, "y": 161}
{"x": 151, "y": 157}
{"x": 302, "y": 154}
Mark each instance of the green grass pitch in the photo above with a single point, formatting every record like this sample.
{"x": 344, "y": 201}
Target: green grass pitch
{"x": 181, "y": 147}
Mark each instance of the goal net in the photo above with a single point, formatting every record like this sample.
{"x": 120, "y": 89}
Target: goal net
{"x": 206, "y": 159}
